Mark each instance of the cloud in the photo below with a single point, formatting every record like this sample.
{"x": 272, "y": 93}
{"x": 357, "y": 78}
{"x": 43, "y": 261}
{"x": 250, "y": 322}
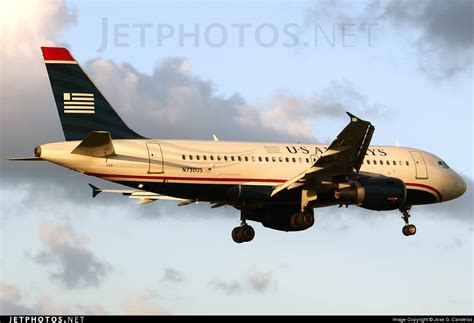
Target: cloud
{"x": 142, "y": 304}
{"x": 259, "y": 281}
{"x": 446, "y": 33}
{"x": 458, "y": 209}
{"x": 255, "y": 281}
{"x": 172, "y": 276}
{"x": 12, "y": 302}
{"x": 77, "y": 267}
{"x": 172, "y": 97}
{"x": 445, "y": 39}
{"x": 28, "y": 114}
{"x": 228, "y": 287}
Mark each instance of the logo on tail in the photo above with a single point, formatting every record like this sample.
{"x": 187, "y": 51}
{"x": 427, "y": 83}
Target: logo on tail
{"x": 79, "y": 103}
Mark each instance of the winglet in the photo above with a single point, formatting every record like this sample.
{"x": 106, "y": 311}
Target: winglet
{"x": 353, "y": 117}
{"x": 95, "y": 190}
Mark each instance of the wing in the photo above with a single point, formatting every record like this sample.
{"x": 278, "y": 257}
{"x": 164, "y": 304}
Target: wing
{"x": 143, "y": 196}
{"x": 342, "y": 158}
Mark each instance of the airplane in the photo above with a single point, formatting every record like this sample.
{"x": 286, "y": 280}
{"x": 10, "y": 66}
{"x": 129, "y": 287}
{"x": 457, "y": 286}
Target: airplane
{"x": 276, "y": 184}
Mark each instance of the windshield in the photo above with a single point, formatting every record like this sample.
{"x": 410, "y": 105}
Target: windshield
{"x": 442, "y": 164}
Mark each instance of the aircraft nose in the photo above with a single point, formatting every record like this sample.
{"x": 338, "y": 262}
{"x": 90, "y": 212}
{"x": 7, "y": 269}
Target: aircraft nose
{"x": 454, "y": 187}
{"x": 462, "y": 187}
{"x": 459, "y": 186}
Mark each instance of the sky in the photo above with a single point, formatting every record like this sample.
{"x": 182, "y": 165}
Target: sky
{"x": 265, "y": 70}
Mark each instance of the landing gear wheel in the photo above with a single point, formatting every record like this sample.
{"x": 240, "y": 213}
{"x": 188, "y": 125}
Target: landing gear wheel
{"x": 237, "y": 235}
{"x": 244, "y": 233}
{"x": 302, "y": 220}
{"x": 409, "y": 230}
{"x": 248, "y": 233}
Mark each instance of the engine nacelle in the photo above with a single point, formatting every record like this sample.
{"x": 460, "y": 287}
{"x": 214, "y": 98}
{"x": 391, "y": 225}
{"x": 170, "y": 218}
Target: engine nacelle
{"x": 378, "y": 194}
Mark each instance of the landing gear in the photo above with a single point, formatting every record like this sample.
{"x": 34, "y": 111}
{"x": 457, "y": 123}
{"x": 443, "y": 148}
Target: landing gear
{"x": 244, "y": 233}
{"x": 408, "y": 229}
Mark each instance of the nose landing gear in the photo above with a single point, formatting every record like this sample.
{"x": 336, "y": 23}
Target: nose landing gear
{"x": 408, "y": 229}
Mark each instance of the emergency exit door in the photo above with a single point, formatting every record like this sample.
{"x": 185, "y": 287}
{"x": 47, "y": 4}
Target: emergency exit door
{"x": 155, "y": 159}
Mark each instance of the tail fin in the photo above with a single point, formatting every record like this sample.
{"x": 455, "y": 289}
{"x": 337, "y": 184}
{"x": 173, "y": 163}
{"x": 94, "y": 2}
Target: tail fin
{"x": 81, "y": 107}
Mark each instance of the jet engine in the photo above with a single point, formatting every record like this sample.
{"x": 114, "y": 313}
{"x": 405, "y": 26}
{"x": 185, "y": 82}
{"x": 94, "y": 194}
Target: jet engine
{"x": 378, "y": 194}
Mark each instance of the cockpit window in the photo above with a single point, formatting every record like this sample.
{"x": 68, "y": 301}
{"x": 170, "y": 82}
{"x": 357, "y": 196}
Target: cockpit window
{"x": 442, "y": 164}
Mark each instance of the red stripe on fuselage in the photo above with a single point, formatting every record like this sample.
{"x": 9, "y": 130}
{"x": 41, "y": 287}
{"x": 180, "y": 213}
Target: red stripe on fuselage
{"x": 438, "y": 194}
{"x": 203, "y": 179}
{"x": 56, "y": 54}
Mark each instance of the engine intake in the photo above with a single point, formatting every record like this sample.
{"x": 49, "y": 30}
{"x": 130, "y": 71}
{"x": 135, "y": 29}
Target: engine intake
{"x": 379, "y": 194}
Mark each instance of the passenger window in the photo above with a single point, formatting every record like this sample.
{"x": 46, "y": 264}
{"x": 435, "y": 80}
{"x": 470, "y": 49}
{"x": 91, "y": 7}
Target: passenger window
{"x": 307, "y": 160}
{"x": 394, "y": 163}
{"x": 183, "y": 157}
{"x": 190, "y": 157}
{"x": 246, "y": 158}
{"x": 400, "y": 163}
{"x": 294, "y": 159}
{"x": 204, "y": 157}
{"x": 239, "y": 158}
{"x": 197, "y": 157}
{"x": 375, "y": 162}
{"x": 218, "y": 157}
{"x": 301, "y": 160}
{"x": 273, "y": 159}
{"x": 381, "y": 162}
{"x": 287, "y": 159}
{"x": 266, "y": 159}
{"x": 253, "y": 158}
{"x": 368, "y": 162}
{"x": 280, "y": 159}
{"x": 225, "y": 158}
{"x": 211, "y": 157}
{"x": 232, "y": 158}
{"x": 407, "y": 163}
{"x": 259, "y": 159}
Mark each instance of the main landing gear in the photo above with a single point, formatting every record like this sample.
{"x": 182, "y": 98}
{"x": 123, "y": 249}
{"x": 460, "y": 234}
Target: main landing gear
{"x": 244, "y": 233}
{"x": 408, "y": 229}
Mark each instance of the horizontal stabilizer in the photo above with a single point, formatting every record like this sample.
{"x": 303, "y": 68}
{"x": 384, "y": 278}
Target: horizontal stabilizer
{"x": 143, "y": 197}
{"x": 97, "y": 144}
{"x": 24, "y": 158}
{"x": 95, "y": 190}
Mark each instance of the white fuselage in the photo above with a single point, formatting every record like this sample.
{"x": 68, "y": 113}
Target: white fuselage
{"x": 138, "y": 163}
